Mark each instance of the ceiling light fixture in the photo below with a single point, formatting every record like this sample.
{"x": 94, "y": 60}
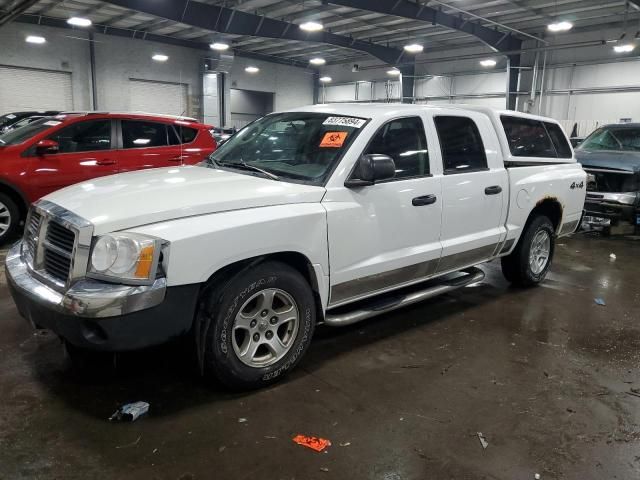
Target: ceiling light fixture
{"x": 311, "y": 26}
{"x": 220, "y": 46}
{"x": 317, "y": 61}
{"x": 563, "y": 26}
{"x": 624, "y": 48}
{"x": 159, "y": 57}
{"x": 251, "y": 69}
{"x": 394, "y": 71}
{"x": 325, "y": 79}
{"x": 35, "y": 39}
{"x": 413, "y": 48}
{"x": 489, "y": 62}
{"x": 79, "y": 22}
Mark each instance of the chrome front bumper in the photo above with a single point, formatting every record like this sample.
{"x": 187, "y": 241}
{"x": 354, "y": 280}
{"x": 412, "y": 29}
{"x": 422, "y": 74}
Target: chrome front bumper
{"x": 86, "y": 298}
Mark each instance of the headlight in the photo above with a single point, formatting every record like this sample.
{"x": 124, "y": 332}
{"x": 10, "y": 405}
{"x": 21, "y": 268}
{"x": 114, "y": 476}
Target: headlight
{"x": 125, "y": 257}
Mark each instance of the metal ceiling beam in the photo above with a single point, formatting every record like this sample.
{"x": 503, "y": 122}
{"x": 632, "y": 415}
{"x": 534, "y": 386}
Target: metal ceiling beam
{"x": 404, "y": 8}
{"x": 226, "y": 20}
{"x": 16, "y": 10}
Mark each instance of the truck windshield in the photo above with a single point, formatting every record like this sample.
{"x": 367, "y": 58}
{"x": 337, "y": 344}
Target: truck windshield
{"x": 621, "y": 139}
{"x": 19, "y": 135}
{"x": 297, "y": 146}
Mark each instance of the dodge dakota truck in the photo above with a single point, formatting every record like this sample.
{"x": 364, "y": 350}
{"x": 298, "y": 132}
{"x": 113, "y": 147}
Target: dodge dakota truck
{"x": 328, "y": 214}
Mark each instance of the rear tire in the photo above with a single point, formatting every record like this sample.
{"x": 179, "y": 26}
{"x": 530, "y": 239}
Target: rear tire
{"x": 529, "y": 262}
{"x": 261, "y": 324}
{"x": 9, "y": 218}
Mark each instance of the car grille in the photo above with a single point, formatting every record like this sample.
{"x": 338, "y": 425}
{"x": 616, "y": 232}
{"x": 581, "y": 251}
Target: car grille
{"x": 56, "y": 244}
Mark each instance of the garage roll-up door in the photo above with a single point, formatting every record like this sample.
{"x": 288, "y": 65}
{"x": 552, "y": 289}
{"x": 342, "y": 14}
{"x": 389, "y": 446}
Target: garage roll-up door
{"x": 158, "y": 97}
{"x": 31, "y": 89}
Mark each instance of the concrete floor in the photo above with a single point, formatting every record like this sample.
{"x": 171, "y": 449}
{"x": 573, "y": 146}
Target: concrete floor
{"x": 545, "y": 374}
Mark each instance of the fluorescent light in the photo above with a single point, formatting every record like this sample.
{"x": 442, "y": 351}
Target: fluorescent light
{"x": 311, "y": 26}
{"x": 220, "y": 46}
{"x": 35, "y": 39}
{"x": 325, "y": 79}
{"x": 394, "y": 72}
{"x": 489, "y": 62}
{"x": 318, "y": 61}
{"x": 560, "y": 26}
{"x": 251, "y": 69}
{"x": 413, "y": 48}
{"x": 624, "y": 48}
{"x": 79, "y": 22}
{"x": 159, "y": 57}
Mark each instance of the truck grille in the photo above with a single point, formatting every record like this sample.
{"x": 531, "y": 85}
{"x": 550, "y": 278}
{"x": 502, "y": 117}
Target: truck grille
{"x": 56, "y": 244}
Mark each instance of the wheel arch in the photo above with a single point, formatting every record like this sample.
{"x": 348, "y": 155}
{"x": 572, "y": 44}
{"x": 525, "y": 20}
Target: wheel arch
{"x": 17, "y": 196}
{"x": 551, "y": 208}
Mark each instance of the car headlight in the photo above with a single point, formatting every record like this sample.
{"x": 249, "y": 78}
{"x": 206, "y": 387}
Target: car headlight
{"x": 125, "y": 257}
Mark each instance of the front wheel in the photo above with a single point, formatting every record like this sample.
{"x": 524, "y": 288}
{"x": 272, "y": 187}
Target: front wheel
{"x": 261, "y": 324}
{"x": 9, "y": 217}
{"x": 529, "y": 262}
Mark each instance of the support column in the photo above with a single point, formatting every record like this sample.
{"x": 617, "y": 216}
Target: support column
{"x": 407, "y": 81}
{"x": 92, "y": 66}
{"x": 513, "y": 74}
{"x": 316, "y": 88}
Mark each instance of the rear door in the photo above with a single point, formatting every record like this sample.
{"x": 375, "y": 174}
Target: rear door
{"x": 474, "y": 189}
{"x": 147, "y": 144}
{"x": 85, "y": 152}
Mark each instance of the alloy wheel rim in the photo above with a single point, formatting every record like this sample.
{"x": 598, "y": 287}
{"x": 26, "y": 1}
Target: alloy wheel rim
{"x": 540, "y": 252}
{"x": 5, "y": 219}
{"x": 265, "y": 328}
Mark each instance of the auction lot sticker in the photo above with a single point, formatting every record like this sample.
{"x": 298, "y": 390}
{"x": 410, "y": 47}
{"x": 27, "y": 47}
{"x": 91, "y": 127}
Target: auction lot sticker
{"x": 333, "y": 139}
{"x": 345, "y": 121}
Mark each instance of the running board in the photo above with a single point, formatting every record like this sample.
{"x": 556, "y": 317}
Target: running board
{"x": 390, "y": 302}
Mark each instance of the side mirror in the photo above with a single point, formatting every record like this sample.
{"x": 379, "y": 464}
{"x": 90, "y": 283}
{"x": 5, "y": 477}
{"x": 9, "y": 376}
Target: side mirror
{"x": 371, "y": 169}
{"x": 44, "y": 147}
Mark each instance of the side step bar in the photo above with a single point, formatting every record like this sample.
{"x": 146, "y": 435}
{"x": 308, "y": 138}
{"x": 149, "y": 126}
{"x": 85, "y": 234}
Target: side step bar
{"x": 378, "y": 306}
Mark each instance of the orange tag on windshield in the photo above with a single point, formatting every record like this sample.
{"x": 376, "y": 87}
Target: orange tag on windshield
{"x": 333, "y": 139}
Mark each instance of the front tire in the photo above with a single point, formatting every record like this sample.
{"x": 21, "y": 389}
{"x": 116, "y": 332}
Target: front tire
{"x": 261, "y": 324}
{"x": 529, "y": 262}
{"x": 9, "y": 218}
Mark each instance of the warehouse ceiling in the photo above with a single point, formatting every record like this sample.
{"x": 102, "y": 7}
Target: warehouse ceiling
{"x": 519, "y": 19}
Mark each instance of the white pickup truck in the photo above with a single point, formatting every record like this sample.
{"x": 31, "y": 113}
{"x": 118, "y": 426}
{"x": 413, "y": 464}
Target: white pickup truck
{"x": 325, "y": 214}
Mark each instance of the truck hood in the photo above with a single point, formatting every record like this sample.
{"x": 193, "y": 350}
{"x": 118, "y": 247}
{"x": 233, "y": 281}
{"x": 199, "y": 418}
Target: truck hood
{"x": 128, "y": 200}
{"x": 624, "y": 161}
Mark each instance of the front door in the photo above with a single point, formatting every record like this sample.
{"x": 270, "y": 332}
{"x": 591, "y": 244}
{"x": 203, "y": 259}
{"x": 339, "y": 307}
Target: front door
{"x": 386, "y": 235}
{"x": 474, "y": 190}
{"x": 84, "y": 153}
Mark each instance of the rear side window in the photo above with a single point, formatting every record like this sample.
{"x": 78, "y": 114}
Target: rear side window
{"x": 85, "y": 136}
{"x": 186, "y": 134}
{"x": 137, "y": 134}
{"x": 559, "y": 140}
{"x": 461, "y": 144}
{"x": 527, "y": 137}
{"x": 403, "y": 140}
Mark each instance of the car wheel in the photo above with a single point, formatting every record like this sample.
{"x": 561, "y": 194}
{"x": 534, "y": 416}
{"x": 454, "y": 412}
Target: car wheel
{"x": 261, "y": 324}
{"x": 9, "y": 217}
{"x": 529, "y": 262}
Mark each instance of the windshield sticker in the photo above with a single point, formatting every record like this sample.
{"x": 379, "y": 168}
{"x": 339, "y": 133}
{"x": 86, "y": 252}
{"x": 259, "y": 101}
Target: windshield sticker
{"x": 52, "y": 123}
{"x": 345, "y": 121}
{"x": 333, "y": 139}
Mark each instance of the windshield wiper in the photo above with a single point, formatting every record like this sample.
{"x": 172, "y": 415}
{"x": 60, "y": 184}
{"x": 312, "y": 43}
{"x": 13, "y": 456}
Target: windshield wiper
{"x": 246, "y": 166}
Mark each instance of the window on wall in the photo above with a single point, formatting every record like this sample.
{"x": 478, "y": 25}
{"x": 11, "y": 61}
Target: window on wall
{"x": 461, "y": 144}
{"x": 140, "y": 134}
{"x": 84, "y": 136}
{"x": 405, "y": 142}
{"x": 527, "y": 137}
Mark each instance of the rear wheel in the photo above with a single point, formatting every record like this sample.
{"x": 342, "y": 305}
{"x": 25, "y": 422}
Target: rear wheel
{"x": 529, "y": 263}
{"x": 261, "y": 324}
{"x": 9, "y": 217}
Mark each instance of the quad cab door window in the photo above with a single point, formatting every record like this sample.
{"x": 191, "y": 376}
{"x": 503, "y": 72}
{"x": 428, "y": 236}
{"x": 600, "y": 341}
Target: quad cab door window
{"x": 389, "y": 232}
{"x": 474, "y": 195}
{"x": 77, "y": 152}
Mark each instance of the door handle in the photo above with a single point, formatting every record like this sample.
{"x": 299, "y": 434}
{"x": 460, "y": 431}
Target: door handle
{"x": 106, "y": 161}
{"x": 424, "y": 200}
{"x": 179, "y": 158}
{"x": 493, "y": 190}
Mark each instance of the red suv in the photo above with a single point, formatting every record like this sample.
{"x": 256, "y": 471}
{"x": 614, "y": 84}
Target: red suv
{"x": 54, "y": 152}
